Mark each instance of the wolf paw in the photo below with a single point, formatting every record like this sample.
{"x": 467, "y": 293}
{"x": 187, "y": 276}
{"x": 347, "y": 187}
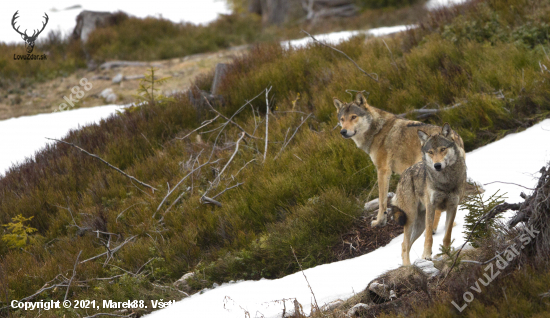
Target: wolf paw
{"x": 378, "y": 223}
{"x": 427, "y": 257}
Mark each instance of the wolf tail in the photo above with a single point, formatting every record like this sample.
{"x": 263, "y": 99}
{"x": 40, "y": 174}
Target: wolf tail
{"x": 398, "y": 214}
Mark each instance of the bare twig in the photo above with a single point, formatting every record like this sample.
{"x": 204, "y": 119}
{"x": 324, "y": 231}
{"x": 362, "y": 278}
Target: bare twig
{"x": 391, "y": 55}
{"x": 230, "y": 159}
{"x": 226, "y": 123}
{"x": 266, "y": 120}
{"x": 72, "y": 277}
{"x": 295, "y": 131}
{"x": 246, "y": 164}
{"x": 105, "y": 162}
{"x": 302, "y": 270}
{"x": 349, "y": 58}
{"x": 229, "y": 120}
{"x": 110, "y": 252}
{"x": 175, "y": 187}
{"x": 120, "y": 214}
{"x": 519, "y": 185}
{"x": 206, "y": 123}
{"x": 351, "y": 216}
{"x": 217, "y": 195}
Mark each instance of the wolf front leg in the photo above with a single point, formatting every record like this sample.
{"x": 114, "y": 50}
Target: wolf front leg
{"x": 430, "y": 214}
{"x": 383, "y": 187}
{"x": 407, "y": 243}
{"x": 436, "y": 220}
{"x": 451, "y": 213}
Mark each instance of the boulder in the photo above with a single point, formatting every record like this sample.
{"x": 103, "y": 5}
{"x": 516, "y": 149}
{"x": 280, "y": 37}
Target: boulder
{"x": 358, "y": 309}
{"x": 87, "y": 21}
{"x": 182, "y": 283}
{"x": 426, "y": 267}
{"x": 118, "y": 78}
{"x": 108, "y": 95}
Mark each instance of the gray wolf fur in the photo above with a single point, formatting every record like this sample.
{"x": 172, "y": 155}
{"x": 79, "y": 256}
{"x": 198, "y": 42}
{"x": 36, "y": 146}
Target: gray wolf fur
{"x": 391, "y": 142}
{"x": 436, "y": 183}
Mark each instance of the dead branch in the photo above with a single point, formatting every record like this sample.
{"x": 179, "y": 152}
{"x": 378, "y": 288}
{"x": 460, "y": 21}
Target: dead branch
{"x": 105, "y": 162}
{"x": 266, "y": 120}
{"x": 349, "y": 58}
{"x": 206, "y": 199}
{"x": 426, "y": 112}
{"x": 230, "y": 159}
{"x": 206, "y": 123}
{"x": 226, "y": 123}
{"x": 175, "y": 187}
{"x": 295, "y": 131}
{"x": 110, "y": 252}
{"x": 72, "y": 277}
{"x": 229, "y": 120}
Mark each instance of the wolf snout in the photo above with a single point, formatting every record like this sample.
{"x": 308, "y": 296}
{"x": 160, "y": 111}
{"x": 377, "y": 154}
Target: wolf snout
{"x": 344, "y": 133}
{"x": 437, "y": 166}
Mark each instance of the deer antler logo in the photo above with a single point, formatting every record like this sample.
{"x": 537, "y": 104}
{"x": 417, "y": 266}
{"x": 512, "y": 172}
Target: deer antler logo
{"x": 29, "y": 40}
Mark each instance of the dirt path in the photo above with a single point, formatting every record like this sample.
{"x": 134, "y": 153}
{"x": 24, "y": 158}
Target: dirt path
{"x": 46, "y": 97}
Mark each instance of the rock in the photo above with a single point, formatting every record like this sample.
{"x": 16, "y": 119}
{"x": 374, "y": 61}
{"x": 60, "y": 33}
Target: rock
{"x": 215, "y": 285}
{"x": 108, "y": 95}
{"x": 182, "y": 283}
{"x": 118, "y": 78}
{"x": 427, "y": 267}
{"x": 358, "y": 309}
{"x": 332, "y": 305}
{"x": 219, "y": 73}
{"x": 87, "y": 21}
{"x": 380, "y": 289}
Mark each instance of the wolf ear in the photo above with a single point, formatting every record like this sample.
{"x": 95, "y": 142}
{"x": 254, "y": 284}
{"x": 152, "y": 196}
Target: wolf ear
{"x": 446, "y": 130}
{"x": 423, "y": 137}
{"x": 337, "y": 103}
{"x": 361, "y": 100}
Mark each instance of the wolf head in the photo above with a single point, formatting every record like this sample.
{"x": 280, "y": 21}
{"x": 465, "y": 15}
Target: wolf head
{"x": 438, "y": 151}
{"x": 355, "y": 117}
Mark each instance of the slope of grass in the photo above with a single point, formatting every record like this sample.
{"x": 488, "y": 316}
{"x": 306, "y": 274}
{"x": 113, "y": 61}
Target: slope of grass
{"x": 306, "y": 197}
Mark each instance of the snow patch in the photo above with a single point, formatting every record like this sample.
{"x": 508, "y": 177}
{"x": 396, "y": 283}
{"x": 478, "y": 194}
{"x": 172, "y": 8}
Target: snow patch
{"x": 21, "y": 137}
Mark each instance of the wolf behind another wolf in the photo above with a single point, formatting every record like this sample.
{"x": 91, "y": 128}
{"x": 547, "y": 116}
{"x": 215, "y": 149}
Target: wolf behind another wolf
{"x": 435, "y": 183}
{"x": 391, "y": 142}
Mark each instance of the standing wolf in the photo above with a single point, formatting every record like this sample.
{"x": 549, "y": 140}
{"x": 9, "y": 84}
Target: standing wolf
{"x": 435, "y": 183}
{"x": 391, "y": 142}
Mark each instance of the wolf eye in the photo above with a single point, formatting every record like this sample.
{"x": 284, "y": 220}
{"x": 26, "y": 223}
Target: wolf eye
{"x": 443, "y": 149}
{"x": 431, "y": 152}
{"x": 342, "y": 119}
{"x": 353, "y": 117}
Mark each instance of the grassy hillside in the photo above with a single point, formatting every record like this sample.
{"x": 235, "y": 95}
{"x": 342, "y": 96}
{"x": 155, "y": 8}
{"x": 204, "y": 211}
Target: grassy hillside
{"x": 485, "y": 55}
